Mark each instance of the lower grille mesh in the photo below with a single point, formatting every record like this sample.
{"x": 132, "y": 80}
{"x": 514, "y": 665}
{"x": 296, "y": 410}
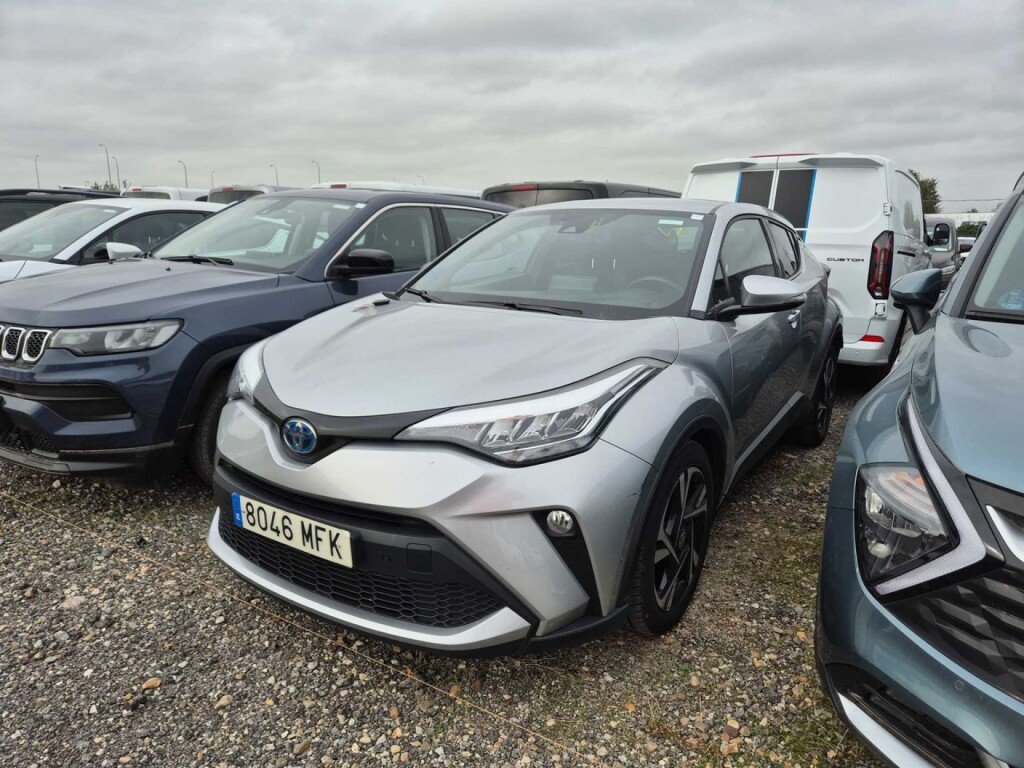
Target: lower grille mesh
{"x": 24, "y": 441}
{"x": 423, "y": 602}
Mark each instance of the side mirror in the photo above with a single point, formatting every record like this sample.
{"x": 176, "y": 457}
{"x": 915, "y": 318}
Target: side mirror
{"x": 918, "y": 293}
{"x": 941, "y": 235}
{"x": 116, "y": 251}
{"x": 966, "y": 247}
{"x": 361, "y": 262}
{"x": 760, "y": 294}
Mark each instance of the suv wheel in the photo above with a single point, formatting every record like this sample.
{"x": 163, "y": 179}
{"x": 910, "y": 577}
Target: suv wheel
{"x": 673, "y": 543}
{"x": 812, "y": 430}
{"x": 204, "y": 435}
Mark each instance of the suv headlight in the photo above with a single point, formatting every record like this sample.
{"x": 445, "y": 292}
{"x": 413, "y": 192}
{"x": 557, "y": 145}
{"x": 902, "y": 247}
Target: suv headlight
{"x": 247, "y": 374}
{"x": 541, "y": 427}
{"x": 108, "y": 339}
{"x": 899, "y": 525}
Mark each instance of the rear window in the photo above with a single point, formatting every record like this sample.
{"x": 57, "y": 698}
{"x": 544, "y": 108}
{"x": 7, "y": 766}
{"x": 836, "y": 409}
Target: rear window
{"x": 148, "y": 195}
{"x": 793, "y": 196}
{"x": 524, "y": 198}
{"x": 233, "y": 196}
{"x": 755, "y": 187}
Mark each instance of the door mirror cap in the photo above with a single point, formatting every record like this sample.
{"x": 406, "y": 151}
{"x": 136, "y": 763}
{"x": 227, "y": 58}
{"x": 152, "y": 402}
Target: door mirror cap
{"x": 941, "y": 234}
{"x": 361, "y": 262}
{"x": 760, "y": 294}
{"x": 918, "y": 293}
{"x": 117, "y": 251}
{"x": 965, "y": 247}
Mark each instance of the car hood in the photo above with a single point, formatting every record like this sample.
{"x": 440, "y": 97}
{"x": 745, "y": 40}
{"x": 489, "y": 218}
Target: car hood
{"x": 365, "y": 360}
{"x": 966, "y": 385}
{"x": 120, "y": 291}
{"x": 11, "y": 270}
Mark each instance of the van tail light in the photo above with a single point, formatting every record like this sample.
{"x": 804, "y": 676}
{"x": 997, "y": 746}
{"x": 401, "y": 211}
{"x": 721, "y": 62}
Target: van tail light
{"x": 880, "y": 267}
{"x": 523, "y": 187}
{"x": 339, "y": 186}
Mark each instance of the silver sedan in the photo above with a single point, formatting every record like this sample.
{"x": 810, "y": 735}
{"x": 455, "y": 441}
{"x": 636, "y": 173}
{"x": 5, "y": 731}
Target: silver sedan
{"x": 528, "y": 443}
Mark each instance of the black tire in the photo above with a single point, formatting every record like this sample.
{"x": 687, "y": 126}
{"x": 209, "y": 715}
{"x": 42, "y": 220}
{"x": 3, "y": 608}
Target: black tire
{"x": 673, "y": 542}
{"x": 812, "y": 429}
{"x": 204, "y": 435}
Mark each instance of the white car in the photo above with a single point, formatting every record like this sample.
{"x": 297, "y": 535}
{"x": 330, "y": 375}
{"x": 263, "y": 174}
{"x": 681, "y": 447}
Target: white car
{"x": 860, "y": 214}
{"x": 93, "y": 231}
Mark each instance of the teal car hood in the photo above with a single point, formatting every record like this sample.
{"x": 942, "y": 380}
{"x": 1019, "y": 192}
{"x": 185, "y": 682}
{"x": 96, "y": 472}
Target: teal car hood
{"x": 968, "y": 385}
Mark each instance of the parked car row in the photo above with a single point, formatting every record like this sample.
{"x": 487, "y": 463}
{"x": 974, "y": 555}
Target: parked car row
{"x": 568, "y": 392}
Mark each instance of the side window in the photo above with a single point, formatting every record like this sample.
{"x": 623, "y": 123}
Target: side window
{"x": 744, "y": 252}
{"x": 462, "y": 223}
{"x": 406, "y": 233}
{"x": 144, "y": 232}
{"x": 785, "y": 249}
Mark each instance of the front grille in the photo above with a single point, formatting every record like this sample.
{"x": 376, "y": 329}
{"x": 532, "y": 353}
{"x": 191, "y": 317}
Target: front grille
{"x": 943, "y": 747}
{"x": 429, "y": 603}
{"x": 35, "y": 342}
{"x": 25, "y": 441}
{"x": 978, "y": 623}
{"x": 12, "y": 343}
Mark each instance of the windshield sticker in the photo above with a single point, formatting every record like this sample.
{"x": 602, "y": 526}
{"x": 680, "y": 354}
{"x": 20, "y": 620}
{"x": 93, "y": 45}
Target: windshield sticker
{"x": 345, "y": 207}
{"x": 697, "y": 216}
{"x": 670, "y": 223}
{"x": 1013, "y": 300}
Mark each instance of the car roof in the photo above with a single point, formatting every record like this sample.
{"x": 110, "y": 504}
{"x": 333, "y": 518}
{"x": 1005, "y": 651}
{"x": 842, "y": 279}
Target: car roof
{"x": 791, "y": 159}
{"x": 510, "y": 186}
{"x": 660, "y": 205}
{"x": 149, "y": 204}
{"x": 383, "y": 198}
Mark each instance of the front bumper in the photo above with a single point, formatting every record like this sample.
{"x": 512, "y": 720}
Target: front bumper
{"x": 910, "y": 703}
{"x": 109, "y": 414}
{"x": 483, "y": 516}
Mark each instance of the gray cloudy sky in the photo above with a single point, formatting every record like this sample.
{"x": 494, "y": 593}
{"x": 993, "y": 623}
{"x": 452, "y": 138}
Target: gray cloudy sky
{"x": 470, "y": 93}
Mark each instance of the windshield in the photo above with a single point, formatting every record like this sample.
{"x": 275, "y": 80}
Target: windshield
{"x": 267, "y": 234}
{"x": 43, "y": 236}
{"x": 605, "y": 263}
{"x": 1001, "y": 285}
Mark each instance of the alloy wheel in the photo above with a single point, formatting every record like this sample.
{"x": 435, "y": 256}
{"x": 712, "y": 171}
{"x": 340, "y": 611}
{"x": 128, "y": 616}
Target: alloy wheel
{"x": 680, "y": 543}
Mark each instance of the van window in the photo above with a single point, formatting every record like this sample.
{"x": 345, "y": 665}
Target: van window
{"x": 149, "y": 195}
{"x": 793, "y": 196}
{"x": 755, "y": 187}
{"x": 910, "y": 212}
{"x": 523, "y": 198}
{"x": 785, "y": 249}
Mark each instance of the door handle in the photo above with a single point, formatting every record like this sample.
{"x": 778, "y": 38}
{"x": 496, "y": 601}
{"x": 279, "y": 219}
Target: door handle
{"x": 794, "y": 318}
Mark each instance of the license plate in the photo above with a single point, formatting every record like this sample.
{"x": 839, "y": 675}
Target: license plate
{"x": 292, "y": 530}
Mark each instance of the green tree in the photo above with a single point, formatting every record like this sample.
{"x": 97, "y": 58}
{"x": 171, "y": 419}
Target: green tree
{"x": 104, "y": 186}
{"x": 930, "y": 197}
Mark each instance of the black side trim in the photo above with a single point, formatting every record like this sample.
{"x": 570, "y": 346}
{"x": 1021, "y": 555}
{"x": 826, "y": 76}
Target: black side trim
{"x": 579, "y": 631}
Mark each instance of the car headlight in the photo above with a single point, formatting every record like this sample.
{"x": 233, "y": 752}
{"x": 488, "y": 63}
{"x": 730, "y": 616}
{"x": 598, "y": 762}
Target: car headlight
{"x": 899, "y": 524}
{"x": 541, "y": 427}
{"x": 247, "y": 374}
{"x": 108, "y": 339}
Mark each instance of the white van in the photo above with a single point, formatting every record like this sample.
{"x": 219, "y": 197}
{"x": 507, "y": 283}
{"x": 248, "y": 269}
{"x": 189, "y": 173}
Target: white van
{"x": 860, "y": 214}
{"x": 167, "y": 193}
{"x": 397, "y": 186}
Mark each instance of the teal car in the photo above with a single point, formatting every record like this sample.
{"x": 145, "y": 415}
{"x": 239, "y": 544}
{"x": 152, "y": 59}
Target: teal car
{"x": 920, "y": 631}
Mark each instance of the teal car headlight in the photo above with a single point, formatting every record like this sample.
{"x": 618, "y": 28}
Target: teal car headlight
{"x": 540, "y": 427}
{"x": 109, "y": 339}
{"x": 247, "y": 374}
{"x": 899, "y": 524}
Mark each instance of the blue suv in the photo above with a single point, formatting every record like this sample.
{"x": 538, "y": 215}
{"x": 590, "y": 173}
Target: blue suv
{"x": 121, "y": 367}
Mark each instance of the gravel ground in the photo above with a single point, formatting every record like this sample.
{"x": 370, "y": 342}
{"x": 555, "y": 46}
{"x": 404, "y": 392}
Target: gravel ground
{"x": 124, "y": 642}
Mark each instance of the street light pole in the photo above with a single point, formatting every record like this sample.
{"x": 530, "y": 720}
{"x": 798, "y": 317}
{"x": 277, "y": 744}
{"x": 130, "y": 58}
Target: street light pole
{"x": 110, "y": 181}
{"x": 314, "y": 162}
{"x": 277, "y": 178}
{"x": 185, "y": 168}
{"x": 117, "y": 167}
{"x": 38, "y": 185}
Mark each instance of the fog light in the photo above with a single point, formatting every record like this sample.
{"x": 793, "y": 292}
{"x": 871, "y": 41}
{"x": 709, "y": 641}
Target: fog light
{"x": 560, "y": 522}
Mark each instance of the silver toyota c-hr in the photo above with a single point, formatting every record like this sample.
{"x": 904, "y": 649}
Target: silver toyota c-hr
{"x": 528, "y": 443}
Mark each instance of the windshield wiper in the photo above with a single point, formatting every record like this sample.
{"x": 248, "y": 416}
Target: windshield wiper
{"x": 195, "y": 258}
{"x": 520, "y": 306}
{"x": 421, "y": 294}
{"x": 994, "y": 315}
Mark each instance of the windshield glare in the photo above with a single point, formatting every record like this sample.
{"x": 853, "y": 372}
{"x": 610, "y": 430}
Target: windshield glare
{"x": 603, "y": 263}
{"x": 266, "y": 234}
{"x": 1001, "y": 286}
{"x": 43, "y": 236}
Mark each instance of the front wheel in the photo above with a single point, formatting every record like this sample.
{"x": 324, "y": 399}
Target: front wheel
{"x": 673, "y": 542}
{"x": 204, "y": 435}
